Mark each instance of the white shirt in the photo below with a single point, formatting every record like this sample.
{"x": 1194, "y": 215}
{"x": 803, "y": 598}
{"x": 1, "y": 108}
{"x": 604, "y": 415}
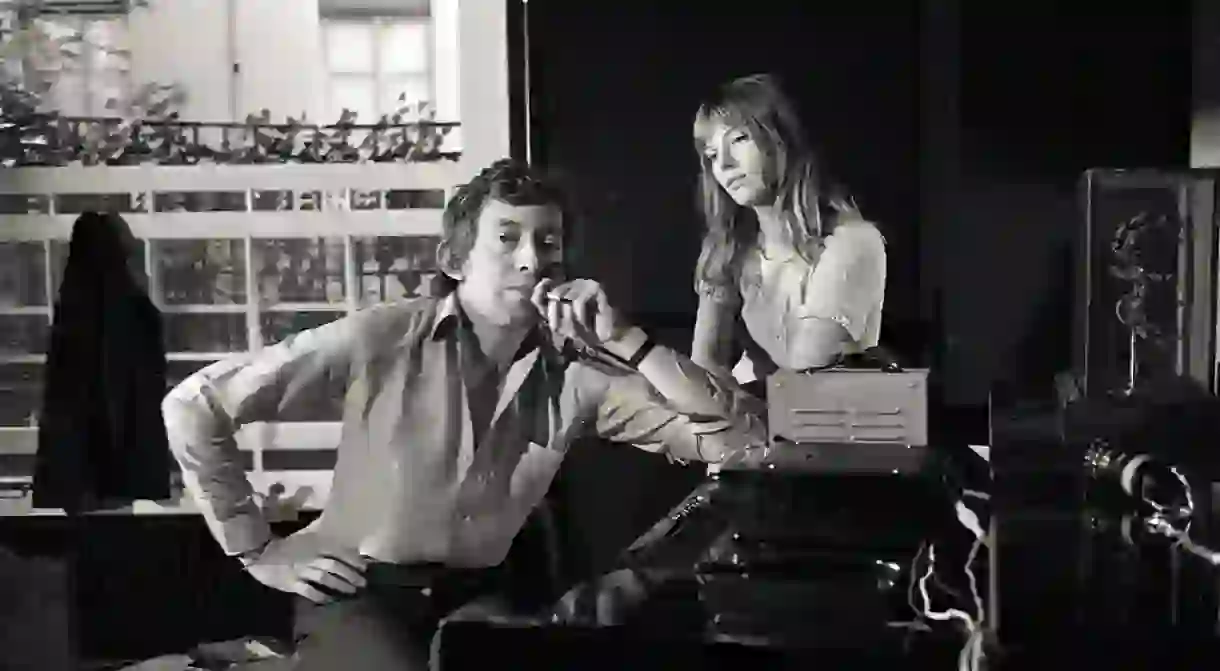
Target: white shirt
{"x": 410, "y": 484}
{"x": 845, "y": 283}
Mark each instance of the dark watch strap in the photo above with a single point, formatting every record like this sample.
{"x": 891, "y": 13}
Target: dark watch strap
{"x": 637, "y": 358}
{"x": 252, "y": 555}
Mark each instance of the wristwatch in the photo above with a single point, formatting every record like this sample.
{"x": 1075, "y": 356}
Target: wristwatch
{"x": 252, "y": 555}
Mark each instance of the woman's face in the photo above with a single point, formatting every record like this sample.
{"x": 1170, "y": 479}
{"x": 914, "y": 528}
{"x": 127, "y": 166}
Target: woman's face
{"x": 738, "y": 164}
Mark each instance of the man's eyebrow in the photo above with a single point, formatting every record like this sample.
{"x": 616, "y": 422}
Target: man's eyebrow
{"x": 509, "y": 223}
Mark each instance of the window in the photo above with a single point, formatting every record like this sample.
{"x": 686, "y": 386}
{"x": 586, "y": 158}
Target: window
{"x": 375, "y": 67}
{"x": 238, "y": 258}
{"x": 241, "y": 256}
{"x": 93, "y": 79}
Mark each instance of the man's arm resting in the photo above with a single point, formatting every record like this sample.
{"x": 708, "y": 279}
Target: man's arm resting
{"x": 684, "y": 385}
{"x": 632, "y": 410}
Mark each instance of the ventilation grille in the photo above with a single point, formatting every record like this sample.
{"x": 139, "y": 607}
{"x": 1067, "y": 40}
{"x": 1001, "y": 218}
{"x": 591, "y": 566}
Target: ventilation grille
{"x": 849, "y": 406}
{"x": 84, "y": 7}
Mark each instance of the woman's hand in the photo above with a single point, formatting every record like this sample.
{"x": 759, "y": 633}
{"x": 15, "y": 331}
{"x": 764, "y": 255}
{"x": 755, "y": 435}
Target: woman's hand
{"x": 295, "y": 565}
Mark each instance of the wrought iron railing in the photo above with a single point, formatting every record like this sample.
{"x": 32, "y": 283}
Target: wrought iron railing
{"x": 51, "y": 140}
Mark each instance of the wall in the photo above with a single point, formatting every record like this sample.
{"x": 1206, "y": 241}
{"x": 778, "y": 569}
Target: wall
{"x": 625, "y": 142}
{"x": 1030, "y": 120}
{"x": 482, "y": 96}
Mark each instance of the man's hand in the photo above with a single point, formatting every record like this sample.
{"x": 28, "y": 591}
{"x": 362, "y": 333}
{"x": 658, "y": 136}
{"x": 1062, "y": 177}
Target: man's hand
{"x": 579, "y": 310}
{"x": 295, "y": 565}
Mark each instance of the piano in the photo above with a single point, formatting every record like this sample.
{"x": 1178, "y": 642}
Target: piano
{"x": 831, "y": 550}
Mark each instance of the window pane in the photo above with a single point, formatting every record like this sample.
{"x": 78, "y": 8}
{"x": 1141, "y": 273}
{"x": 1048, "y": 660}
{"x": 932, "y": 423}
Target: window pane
{"x": 390, "y": 268}
{"x": 20, "y": 394}
{"x": 63, "y": 30}
{"x": 349, "y": 47}
{"x": 299, "y": 270}
{"x": 104, "y": 38}
{"x": 205, "y": 332}
{"x": 201, "y": 272}
{"x": 23, "y": 279}
{"x": 276, "y": 326}
{"x": 23, "y": 334}
{"x": 404, "y": 48}
{"x": 354, "y": 93}
{"x": 177, "y": 371}
{"x": 405, "y": 92}
{"x": 110, "y": 33}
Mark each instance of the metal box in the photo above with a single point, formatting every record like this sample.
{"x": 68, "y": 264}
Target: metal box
{"x": 849, "y": 407}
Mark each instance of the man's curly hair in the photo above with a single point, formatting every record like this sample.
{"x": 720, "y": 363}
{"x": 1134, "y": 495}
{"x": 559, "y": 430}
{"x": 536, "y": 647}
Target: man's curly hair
{"x": 511, "y": 181}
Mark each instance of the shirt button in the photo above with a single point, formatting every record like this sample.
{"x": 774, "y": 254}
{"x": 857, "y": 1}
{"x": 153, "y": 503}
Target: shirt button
{"x": 465, "y": 518}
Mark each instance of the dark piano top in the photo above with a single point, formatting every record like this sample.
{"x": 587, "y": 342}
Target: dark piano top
{"x": 1065, "y": 583}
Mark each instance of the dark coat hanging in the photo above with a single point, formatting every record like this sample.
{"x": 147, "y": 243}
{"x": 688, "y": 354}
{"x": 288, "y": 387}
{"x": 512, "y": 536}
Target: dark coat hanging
{"x": 101, "y": 437}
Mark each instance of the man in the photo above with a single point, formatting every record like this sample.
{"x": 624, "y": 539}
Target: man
{"x": 459, "y": 412}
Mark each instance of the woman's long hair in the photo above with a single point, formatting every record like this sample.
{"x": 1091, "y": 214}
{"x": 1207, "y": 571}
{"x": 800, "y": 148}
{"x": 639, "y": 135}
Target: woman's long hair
{"x": 808, "y": 198}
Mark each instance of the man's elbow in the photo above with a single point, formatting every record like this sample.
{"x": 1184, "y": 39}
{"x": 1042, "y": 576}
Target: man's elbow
{"x": 179, "y": 411}
{"x": 190, "y": 425}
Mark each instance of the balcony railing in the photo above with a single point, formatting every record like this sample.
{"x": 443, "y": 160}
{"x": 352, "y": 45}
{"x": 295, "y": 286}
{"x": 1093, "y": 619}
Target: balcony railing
{"x": 49, "y": 140}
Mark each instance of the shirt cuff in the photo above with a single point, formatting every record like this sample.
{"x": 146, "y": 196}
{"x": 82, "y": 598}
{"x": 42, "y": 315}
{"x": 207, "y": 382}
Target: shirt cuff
{"x": 854, "y": 326}
{"x": 243, "y": 534}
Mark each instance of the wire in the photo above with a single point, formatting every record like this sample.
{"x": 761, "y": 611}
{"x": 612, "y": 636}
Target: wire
{"x": 971, "y": 655}
{"x": 980, "y": 611}
{"x": 1162, "y": 521}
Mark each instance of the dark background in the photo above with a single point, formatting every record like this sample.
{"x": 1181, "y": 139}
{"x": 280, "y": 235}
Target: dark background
{"x": 963, "y": 128}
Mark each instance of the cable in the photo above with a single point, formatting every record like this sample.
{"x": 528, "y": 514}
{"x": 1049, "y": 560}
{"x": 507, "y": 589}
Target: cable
{"x": 971, "y": 656}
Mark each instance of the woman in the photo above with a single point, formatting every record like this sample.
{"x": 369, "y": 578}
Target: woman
{"x": 789, "y": 271}
{"x": 786, "y": 254}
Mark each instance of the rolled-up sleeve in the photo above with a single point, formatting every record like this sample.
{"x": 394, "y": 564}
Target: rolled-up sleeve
{"x": 630, "y": 410}
{"x": 204, "y": 412}
{"x": 848, "y": 282}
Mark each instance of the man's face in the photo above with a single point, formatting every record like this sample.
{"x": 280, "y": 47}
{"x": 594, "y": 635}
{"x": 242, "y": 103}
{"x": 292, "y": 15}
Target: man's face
{"x": 515, "y": 246}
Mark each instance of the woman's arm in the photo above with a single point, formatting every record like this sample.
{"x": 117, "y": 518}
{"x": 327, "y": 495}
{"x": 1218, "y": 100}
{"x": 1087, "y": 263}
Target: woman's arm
{"x": 845, "y": 288}
{"x": 818, "y": 343}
